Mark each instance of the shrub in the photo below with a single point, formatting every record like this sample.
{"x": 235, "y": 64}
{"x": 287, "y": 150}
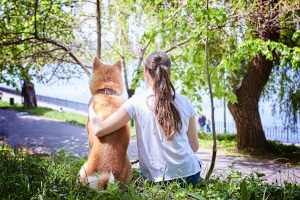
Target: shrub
{"x": 25, "y": 176}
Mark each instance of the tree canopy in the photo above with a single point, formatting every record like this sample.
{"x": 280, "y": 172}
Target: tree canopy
{"x": 246, "y": 41}
{"x": 38, "y": 34}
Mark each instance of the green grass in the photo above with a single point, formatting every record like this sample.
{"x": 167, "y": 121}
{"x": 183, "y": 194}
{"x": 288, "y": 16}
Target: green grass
{"x": 227, "y": 143}
{"x": 67, "y": 117}
{"x": 25, "y": 176}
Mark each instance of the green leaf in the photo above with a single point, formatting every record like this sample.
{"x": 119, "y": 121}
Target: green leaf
{"x": 244, "y": 190}
{"x": 296, "y": 35}
{"x": 195, "y": 196}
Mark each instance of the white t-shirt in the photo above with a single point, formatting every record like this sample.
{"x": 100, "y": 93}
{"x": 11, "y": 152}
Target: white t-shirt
{"x": 160, "y": 159}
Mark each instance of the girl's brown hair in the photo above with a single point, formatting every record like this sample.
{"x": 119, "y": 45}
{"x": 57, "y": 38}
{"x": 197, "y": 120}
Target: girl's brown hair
{"x": 168, "y": 116}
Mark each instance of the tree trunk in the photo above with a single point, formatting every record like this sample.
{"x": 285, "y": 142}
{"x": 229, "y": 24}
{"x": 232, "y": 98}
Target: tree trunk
{"x": 245, "y": 112}
{"x": 28, "y": 94}
{"x": 214, "y": 147}
{"x": 99, "y": 29}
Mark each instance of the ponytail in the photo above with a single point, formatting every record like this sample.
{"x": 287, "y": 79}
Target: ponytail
{"x": 167, "y": 114}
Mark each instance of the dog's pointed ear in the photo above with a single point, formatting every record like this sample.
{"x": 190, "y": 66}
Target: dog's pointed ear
{"x": 97, "y": 63}
{"x": 118, "y": 64}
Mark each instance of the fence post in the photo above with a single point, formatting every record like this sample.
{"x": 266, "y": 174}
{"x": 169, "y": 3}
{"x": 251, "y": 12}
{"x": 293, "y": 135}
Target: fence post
{"x": 287, "y": 134}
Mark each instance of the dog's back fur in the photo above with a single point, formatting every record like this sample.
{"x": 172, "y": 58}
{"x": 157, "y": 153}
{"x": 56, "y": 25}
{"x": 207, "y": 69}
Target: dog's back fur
{"x": 108, "y": 159}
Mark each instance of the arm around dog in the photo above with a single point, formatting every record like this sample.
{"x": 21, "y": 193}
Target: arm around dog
{"x": 114, "y": 122}
{"x": 193, "y": 134}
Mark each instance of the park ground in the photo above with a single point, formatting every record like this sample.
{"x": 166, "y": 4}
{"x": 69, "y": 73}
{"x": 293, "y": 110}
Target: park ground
{"x": 43, "y": 135}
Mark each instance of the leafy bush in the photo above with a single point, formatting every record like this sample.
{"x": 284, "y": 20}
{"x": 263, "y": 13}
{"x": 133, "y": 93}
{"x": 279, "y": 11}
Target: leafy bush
{"x": 227, "y": 137}
{"x": 220, "y": 137}
{"x": 285, "y": 153}
{"x": 204, "y": 136}
{"x": 279, "y": 148}
{"x": 25, "y": 176}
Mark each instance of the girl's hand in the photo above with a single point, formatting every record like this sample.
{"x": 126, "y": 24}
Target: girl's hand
{"x": 91, "y": 112}
{"x": 114, "y": 122}
{"x": 94, "y": 120}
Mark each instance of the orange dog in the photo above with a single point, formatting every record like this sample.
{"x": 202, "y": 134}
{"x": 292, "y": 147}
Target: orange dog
{"x": 108, "y": 159}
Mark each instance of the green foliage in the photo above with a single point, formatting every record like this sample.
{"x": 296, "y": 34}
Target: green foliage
{"x": 255, "y": 47}
{"x": 220, "y": 137}
{"x": 289, "y": 152}
{"x": 285, "y": 85}
{"x": 20, "y": 171}
{"x": 25, "y": 176}
{"x": 296, "y": 35}
{"x": 240, "y": 186}
{"x": 227, "y": 137}
{"x": 188, "y": 20}
{"x": 34, "y": 35}
{"x": 244, "y": 190}
{"x": 233, "y": 42}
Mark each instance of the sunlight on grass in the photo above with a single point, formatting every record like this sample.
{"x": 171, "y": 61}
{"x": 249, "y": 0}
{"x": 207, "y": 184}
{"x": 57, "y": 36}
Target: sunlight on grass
{"x": 224, "y": 141}
{"x": 227, "y": 143}
{"x": 68, "y": 117}
{"x": 25, "y": 176}
{"x": 4, "y": 147}
{"x": 4, "y": 104}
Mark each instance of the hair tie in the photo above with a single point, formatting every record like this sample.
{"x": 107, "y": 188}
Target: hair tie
{"x": 155, "y": 66}
{"x": 158, "y": 65}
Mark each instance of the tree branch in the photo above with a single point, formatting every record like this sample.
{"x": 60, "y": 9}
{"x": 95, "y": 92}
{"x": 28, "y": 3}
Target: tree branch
{"x": 177, "y": 45}
{"x": 35, "y": 23}
{"x": 68, "y": 50}
{"x": 99, "y": 28}
{"x": 17, "y": 42}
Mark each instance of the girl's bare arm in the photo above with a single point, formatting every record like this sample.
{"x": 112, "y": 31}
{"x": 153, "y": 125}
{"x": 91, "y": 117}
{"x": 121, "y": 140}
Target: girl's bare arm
{"x": 193, "y": 134}
{"x": 114, "y": 122}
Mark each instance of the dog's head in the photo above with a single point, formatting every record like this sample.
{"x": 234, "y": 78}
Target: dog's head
{"x": 106, "y": 76}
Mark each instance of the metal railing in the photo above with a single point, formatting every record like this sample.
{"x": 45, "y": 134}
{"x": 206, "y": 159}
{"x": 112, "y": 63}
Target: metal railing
{"x": 63, "y": 103}
{"x": 285, "y": 134}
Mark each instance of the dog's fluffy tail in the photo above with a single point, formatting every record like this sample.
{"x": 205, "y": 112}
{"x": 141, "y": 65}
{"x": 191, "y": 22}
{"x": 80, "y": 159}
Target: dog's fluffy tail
{"x": 100, "y": 181}
{"x": 96, "y": 181}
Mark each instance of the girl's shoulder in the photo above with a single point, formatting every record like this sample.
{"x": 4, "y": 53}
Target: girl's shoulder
{"x": 182, "y": 97}
{"x": 183, "y": 102}
{"x": 138, "y": 98}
